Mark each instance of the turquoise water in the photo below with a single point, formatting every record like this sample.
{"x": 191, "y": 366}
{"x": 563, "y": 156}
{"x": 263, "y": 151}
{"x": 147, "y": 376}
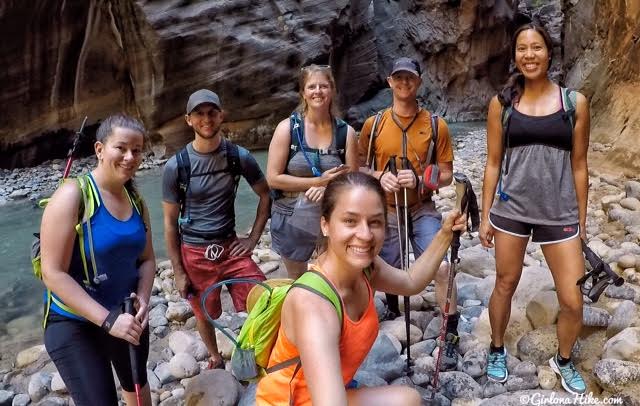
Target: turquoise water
{"x": 21, "y": 293}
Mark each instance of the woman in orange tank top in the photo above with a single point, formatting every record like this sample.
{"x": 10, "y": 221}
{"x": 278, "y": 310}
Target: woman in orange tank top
{"x": 353, "y": 222}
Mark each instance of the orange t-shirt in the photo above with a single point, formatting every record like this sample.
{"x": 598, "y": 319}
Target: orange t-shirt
{"x": 356, "y": 341}
{"x": 388, "y": 142}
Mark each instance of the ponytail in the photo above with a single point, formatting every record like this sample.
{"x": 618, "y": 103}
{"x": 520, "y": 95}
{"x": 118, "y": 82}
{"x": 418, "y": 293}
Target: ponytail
{"x": 512, "y": 90}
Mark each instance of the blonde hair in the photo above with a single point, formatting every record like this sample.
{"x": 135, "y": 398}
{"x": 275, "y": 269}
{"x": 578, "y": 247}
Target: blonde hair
{"x": 305, "y": 74}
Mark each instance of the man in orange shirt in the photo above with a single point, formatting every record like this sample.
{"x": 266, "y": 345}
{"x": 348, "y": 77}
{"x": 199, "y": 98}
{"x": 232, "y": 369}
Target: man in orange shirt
{"x": 406, "y": 121}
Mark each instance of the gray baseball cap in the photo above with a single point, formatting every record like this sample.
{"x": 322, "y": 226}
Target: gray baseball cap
{"x": 203, "y": 96}
{"x": 407, "y": 65}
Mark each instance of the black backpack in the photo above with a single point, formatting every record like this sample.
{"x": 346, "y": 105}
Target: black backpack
{"x": 184, "y": 175}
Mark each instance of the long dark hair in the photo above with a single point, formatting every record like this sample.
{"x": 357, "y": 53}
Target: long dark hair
{"x": 514, "y": 87}
{"x": 123, "y": 121}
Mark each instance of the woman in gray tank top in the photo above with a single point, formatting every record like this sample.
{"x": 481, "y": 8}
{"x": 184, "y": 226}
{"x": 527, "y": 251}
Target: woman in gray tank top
{"x": 304, "y": 155}
{"x": 537, "y": 139}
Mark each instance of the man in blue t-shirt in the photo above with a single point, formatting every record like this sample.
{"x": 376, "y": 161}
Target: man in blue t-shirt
{"x": 199, "y": 219}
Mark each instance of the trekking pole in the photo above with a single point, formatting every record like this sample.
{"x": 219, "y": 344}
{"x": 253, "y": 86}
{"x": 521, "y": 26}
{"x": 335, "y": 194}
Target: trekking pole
{"x": 72, "y": 150}
{"x": 462, "y": 205}
{"x": 133, "y": 356}
{"x": 404, "y": 161}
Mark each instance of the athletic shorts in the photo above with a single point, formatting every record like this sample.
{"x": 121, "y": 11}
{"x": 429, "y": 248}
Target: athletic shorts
{"x": 83, "y": 353}
{"x": 423, "y": 226}
{"x": 206, "y": 265}
{"x": 292, "y": 243}
{"x": 540, "y": 234}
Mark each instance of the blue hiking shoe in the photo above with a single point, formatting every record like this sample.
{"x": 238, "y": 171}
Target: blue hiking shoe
{"x": 569, "y": 376}
{"x": 497, "y": 366}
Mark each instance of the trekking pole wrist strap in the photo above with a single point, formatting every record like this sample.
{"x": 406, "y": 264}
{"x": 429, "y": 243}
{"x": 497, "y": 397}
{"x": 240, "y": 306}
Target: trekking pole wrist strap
{"x": 110, "y": 320}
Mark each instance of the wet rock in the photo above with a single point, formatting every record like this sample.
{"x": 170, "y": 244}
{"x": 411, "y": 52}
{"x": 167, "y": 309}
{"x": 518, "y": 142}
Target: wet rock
{"x": 474, "y": 363}
{"x": 595, "y": 317}
{"x": 455, "y": 384}
{"x": 543, "y": 309}
{"x": 397, "y": 328}
{"x": 212, "y": 387}
{"x": 624, "y": 346}
{"x": 625, "y": 315}
{"x": 614, "y": 375}
{"x": 39, "y": 385}
{"x": 538, "y": 345}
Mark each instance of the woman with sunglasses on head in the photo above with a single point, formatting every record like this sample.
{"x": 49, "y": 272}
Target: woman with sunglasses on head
{"x": 537, "y": 139}
{"x": 307, "y": 150}
{"x": 353, "y": 222}
{"x": 90, "y": 268}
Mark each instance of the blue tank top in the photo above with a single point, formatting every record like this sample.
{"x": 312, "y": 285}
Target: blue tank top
{"x": 117, "y": 246}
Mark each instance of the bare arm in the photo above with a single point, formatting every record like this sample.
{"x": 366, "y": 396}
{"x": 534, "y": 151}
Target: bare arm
{"x": 579, "y": 159}
{"x": 171, "y": 211}
{"x": 491, "y": 169}
{"x": 316, "y": 334}
{"x": 351, "y": 156}
{"x": 147, "y": 271}
{"x": 392, "y": 280}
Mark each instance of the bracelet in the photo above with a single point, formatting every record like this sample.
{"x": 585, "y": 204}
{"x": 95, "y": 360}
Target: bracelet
{"x": 110, "y": 320}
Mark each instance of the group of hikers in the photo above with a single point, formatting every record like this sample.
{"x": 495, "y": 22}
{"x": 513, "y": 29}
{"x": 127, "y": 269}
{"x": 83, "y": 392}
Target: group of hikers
{"x": 327, "y": 191}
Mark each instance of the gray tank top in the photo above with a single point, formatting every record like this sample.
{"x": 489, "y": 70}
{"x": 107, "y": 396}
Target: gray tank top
{"x": 539, "y": 179}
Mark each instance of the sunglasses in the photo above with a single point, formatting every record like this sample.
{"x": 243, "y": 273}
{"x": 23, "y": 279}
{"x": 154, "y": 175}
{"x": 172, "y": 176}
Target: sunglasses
{"x": 315, "y": 67}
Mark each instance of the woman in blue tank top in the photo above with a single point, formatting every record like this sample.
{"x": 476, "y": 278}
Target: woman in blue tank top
{"x": 86, "y": 329}
{"x": 300, "y": 176}
{"x": 537, "y": 139}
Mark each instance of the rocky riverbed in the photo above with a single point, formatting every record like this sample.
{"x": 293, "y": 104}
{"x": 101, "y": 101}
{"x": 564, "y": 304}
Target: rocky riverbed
{"x": 607, "y": 352}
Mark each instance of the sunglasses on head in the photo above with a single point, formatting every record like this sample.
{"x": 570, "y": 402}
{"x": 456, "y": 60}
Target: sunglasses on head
{"x": 314, "y": 66}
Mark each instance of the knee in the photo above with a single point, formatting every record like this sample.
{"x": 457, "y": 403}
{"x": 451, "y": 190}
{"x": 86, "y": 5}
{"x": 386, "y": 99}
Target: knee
{"x": 442, "y": 274}
{"x": 571, "y": 307}
{"x": 505, "y": 286}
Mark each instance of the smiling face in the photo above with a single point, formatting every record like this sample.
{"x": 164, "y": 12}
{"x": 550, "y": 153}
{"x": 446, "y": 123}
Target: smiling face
{"x": 404, "y": 85}
{"x": 531, "y": 54}
{"x": 355, "y": 227}
{"x": 120, "y": 153}
{"x": 317, "y": 91}
{"x": 205, "y": 120}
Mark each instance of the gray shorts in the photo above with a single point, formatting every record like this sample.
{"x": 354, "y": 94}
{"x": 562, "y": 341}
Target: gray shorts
{"x": 291, "y": 242}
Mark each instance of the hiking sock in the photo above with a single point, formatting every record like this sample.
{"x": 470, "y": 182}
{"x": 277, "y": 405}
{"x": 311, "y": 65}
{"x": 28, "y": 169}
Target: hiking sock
{"x": 562, "y": 361}
{"x": 496, "y": 349}
{"x": 452, "y": 323}
{"x": 393, "y": 303}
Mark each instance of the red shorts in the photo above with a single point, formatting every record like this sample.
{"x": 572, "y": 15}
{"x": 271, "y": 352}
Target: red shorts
{"x": 206, "y": 265}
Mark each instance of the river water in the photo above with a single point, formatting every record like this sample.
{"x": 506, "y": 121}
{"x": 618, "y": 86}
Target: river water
{"x": 21, "y": 292}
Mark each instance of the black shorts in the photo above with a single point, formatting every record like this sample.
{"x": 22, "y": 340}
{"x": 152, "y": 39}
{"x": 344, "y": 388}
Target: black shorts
{"x": 83, "y": 353}
{"x": 540, "y": 234}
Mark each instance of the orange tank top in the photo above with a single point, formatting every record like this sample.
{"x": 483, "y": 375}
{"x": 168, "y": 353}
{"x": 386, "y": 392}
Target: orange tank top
{"x": 356, "y": 340}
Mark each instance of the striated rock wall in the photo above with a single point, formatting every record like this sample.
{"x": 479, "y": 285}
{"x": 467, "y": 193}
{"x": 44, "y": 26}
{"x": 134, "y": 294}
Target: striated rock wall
{"x": 69, "y": 59}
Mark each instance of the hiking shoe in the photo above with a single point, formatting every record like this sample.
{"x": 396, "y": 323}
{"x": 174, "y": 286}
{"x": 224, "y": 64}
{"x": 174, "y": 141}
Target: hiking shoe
{"x": 569, "y": 376}
{"x": 450, "y": 354}
{"x": 497, "y": 366}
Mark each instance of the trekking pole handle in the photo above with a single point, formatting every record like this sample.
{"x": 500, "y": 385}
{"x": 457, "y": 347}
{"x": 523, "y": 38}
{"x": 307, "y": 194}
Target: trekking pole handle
{"x": 133, "y": 357}
{"x": 392, "y": 165}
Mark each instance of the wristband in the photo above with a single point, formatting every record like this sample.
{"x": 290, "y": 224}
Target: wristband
{"x": 110, "y": 320}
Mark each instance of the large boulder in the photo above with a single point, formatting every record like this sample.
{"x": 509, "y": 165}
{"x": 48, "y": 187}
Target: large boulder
{"x": 624, "y": 346}
{"x": 214, "y": 387}
{"x": 615, "y": 375}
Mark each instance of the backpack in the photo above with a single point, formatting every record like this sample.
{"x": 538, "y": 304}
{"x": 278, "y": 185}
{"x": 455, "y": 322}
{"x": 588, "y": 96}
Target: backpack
{"x": 258, "y": 334}
{"x": 296, "y": 132}
{"x": 234, "y": 167}
{"x": 88, "y": 206}
{"x": 568, "y": 102}
{"x": 431, "y": 152}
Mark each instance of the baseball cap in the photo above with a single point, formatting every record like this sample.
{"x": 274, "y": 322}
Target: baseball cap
{"x": 203, "y": 96}
{"x": 406, "y": 64}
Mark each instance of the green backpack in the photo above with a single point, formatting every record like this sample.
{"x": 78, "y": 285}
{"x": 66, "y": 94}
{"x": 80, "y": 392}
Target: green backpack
{"x": 258, "y": 334}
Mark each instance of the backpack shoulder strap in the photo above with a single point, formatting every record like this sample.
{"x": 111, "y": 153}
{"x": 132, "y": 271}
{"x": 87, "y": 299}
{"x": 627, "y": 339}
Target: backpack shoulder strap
{"x": 370, "y": 163}
{"x": 295, "y": 125}
{"x": 184, "y": 174}
{"x": 433, "y": 145}
{"x": 233, "y": 158}
{"x": 569, "y": 100}
{"x": 341, "y": 138}
{"x": 317, "y": 283}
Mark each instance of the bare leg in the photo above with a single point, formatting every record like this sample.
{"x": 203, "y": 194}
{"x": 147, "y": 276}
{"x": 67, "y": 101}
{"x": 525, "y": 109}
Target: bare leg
{"x": 130, "y": 397}
{"x": 442, "y": 279}
{"x": 566, "y": 263}
{"x": 509, "y": 259}
{"x": 208, "y": 335}
{"x": 294, "y": 268}
{"x": 384, "y": 396}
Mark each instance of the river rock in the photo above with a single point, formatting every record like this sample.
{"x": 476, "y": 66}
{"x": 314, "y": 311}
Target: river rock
{"x": 529, "y": 397}
{"x": 491, "y": 389}
{"x": 54, "y": 401}
{"x": 397, "y": 329}
{"x": 538, "y": 345}
{"x": 168, "y": 286}
{"x": 30, "y": 355}
{"x": 232, "y": 321}
{"x": 421, "y": 348}
{"x": 57, "y": 384}
{"x": 518, "y": 383}
{"x": 420, "y": 319}
{"x": 39, "y": 385}
{"x": 383, "y": 359}
{"x": 524, "y": 369}
{"x": 180, "y": 341}
{"x": 21, "y": 399}
{"x": 477, "y": 261}
{"x": 6, "y": 397}
{"x": 624, "y": 346}
{"x": 594, "y": 316}
{"x": 225, "y": 345}
{"x": 179, "y": 311}
{"x": 620, "y": 292}
{"x": 415, "y": 303}
{"x": 157, "y": 316}
{"x": 608, "y": 200}
{"x": 547, "y": 377}
{"x": 614, "y": 375}
{"x": 627, "y": 261}
{"x": 268, "y": 267}
{"x": 632, "y": 189}
{"x": 213, "y": 387}
{"x": 369, "y": 379}
{"x": 156, "y": 300}
{"x": 474, "y": 363}
{"x": 543, "y": 309}
{"x": 625, "y": 216}
{"x": 625, "y": 315}
{"x": 163, "y": 372}
{"x": 154, "y": 382}
{"x": 630, "y": 203}
{"x": 455, "y": 384}
{"x": 466, "y": 287}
